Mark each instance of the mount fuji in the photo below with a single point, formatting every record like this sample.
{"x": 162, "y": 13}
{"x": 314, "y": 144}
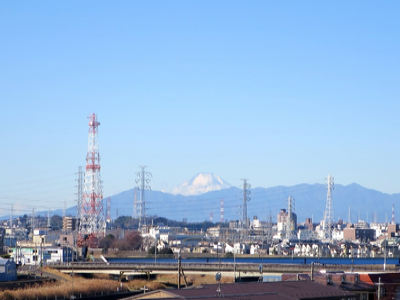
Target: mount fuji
{"x": 200, "y": 184}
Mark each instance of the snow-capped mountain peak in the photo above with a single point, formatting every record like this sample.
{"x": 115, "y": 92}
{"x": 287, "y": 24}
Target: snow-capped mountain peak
{"x": 200, "y": 184}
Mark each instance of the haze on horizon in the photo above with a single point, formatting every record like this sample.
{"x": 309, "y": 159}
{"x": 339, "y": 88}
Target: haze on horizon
{"x": 280, "y": 93}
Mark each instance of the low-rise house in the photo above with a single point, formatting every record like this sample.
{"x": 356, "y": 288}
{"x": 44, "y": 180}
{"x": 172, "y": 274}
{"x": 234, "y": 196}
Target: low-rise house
{"x": 349, "y": 282}
{"x": 229, "y": 248}
{"x": 213, "y": 232}
{"x": 297, "y": 250}
{"x": 280, "y": 290}
{"x": 254, "y": 248}
{"x": 305, "y": 234}
{"x": 8, "y": 270}
{"x": 41, "y": 255}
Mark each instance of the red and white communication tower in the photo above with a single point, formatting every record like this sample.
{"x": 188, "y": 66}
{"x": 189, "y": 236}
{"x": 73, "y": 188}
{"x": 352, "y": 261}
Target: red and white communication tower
{"x": 92, "y": 223}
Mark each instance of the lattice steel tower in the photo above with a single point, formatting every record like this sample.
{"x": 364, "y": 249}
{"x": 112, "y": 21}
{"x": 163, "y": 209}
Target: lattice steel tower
{"x": 92, "y": 223}
{"x": 142, "y": 181}
{"x": 328, "y": 216}
{"x": 246, "y": 198}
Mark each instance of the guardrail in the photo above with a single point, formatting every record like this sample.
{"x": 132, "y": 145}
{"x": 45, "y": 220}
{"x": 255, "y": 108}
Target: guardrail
{"x": 224, "y": 267}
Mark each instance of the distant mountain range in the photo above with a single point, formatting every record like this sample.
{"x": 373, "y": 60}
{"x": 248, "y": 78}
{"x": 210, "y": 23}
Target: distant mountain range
{"x": 200, "y": 199}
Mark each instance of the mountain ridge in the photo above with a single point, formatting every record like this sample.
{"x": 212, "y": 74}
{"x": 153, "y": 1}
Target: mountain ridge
{"x": 310, "y": 202}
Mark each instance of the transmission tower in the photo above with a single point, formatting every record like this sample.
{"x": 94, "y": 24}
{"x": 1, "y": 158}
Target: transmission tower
{"x": 64, "y": 208}
{"x": 92, "y": 223}
{"x": 246, "y": 198}
{"x": 80, "y": 196}
{"x": 289, "y": 220}
{"x": 142, "y": 181}
{"x": 328, "y": 216}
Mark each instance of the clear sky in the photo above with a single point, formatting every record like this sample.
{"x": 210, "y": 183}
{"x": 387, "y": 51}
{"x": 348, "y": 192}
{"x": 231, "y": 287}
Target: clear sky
{"x": 278, "y": 92}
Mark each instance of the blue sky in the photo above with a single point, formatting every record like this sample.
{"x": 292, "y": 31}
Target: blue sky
{"x": 279, "y": 92}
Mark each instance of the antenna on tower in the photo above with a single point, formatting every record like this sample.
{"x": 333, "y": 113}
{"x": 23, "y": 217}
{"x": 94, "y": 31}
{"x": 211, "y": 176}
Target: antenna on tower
{"x": 289, "y": 220}
{"x": 222, "y": 211}
{"x": 246, "y": 198}
{"x": 92, "y": 223}
{"x": 143, "y": 180}
{"x": 328, "y": 216}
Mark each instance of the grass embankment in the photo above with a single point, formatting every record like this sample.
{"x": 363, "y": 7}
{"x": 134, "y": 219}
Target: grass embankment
{"x": 99, "y": 285}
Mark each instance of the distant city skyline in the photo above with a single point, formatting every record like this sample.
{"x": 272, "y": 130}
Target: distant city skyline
{"x": 278, "y": 93}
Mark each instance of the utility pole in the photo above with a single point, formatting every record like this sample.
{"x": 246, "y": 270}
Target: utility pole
{"x": 142, "y": 181}
{"x": 328, "y": 217}
{"x": 246, "y": 198}
{"x": 379, "y": 288}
